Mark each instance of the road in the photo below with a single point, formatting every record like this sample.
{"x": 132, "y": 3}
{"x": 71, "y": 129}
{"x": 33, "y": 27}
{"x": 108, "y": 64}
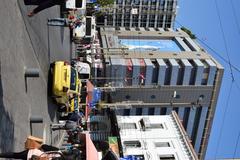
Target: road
{"x": 27, "y": 43}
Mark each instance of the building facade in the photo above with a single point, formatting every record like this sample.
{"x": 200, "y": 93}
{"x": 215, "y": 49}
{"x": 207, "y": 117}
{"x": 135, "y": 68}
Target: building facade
{"x": 154, "y": 71}
{"x": 144, "y": 137}
{"x": 140, "y": 13}
{"x": 155, "y": 137}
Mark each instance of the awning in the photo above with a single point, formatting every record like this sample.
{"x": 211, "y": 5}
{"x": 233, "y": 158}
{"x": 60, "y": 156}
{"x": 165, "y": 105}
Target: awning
{"x": 90, "y": 88}
{"x": 93, "y": 97}
{"x": 91, "y": 151}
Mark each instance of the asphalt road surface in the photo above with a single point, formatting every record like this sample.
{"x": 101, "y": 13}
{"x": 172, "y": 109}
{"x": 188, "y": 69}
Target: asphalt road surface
{"x": 27, "y": 43}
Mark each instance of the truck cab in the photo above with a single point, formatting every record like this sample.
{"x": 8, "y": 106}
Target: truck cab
{"x": 65, "y": 80}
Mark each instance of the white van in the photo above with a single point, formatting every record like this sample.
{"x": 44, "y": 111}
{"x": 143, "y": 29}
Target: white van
{"x": 86, "y": 31}
{"x": 76, "y": 4}
{"x": 80, "y": 31}
{"x": 90, "y": 27}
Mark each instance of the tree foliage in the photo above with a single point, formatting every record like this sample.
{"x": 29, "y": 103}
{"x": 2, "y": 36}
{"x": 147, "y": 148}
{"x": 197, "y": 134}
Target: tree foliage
{"x": 105, "y": 2}
{"x": 193, "y": 36}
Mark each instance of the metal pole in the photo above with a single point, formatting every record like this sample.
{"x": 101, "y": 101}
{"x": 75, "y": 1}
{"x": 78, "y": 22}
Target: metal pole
{"x": 36, "y": 119}
{"x": 145, "y": 104}
{"x": 31, "y": 72}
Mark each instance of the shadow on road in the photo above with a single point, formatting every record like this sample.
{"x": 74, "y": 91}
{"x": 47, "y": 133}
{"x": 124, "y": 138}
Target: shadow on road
{"x": 49, "y": 50}
{"x": 44, "y": 54}
{"x": 62, "y": 34}
{"x": 6, "y": 125}
{"x": 52, "y": 107}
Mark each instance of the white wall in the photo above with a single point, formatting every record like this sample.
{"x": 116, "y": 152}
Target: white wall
{"x": 169, "y": 133}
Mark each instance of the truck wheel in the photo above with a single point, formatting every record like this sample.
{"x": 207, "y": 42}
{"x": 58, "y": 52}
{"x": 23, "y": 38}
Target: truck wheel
{"x": 55, "y": 96}
{"x": 51, "y": 67}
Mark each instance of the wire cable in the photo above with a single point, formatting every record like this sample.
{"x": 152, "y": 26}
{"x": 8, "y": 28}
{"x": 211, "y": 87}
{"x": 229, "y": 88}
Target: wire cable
{"x": 219, "y": 55}
{"x": 236, "y": 146}
{"x": 235, "y": 16}
{"x": 237, "y": 86}
{"x": 223, "y": 119}
{"x": 229, "y": 63}
{"x": 224, "y": 39}
{"x": 235, "y": 150}
{"x": 213, "y": 51}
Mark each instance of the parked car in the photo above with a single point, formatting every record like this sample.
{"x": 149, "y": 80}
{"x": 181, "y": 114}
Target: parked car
{"x": 65, "y": 81}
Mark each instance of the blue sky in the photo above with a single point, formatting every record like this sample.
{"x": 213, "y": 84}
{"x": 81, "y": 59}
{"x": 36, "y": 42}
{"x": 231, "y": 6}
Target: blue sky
{"x": 201, "y": 17}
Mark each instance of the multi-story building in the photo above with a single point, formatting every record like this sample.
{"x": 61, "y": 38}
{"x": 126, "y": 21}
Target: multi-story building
{"x": 145, "y": 137}
{"x": 155, "y": 71}
{"x": 155, "y": 137}
{"x": 140, "y": 13}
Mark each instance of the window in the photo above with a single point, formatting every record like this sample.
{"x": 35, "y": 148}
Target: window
{"x": 127, "y": 126}
{"x": 127, "y": 28}
{"x": 151, "y": 111}
{"x": 162, "y": 144}
{"x": 147, "y": 29}
{"x": 155, "y": 125}
{"x": 126, "y": 112}
{"x": 167, "y": 157}
{"x": 138, "y": 111}
{"x": 145, "y": 124}
{"x": 136, "y": 1}
{"x": 127, "y": 97}
{"x": 119, "y": 2}
{"x": 153, "y": 96}
{"x": 132, "y": 144}
{"x": 78, "y": 4}
{"x": 163, "y": 111}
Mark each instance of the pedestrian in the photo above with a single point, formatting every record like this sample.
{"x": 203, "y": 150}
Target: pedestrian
{"x": 74, "y": 138}
{"x": 75, "y": 116}
{"x": 63, "y": 22}
{"x": 45, "y": 152}
{"x": 69, "y": 125}
{"x": 42, "y": 4}
{"x": 73, "y": 95}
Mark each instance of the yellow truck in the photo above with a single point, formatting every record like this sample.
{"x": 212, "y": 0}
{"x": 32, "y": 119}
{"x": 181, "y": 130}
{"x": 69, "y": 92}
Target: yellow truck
{"x": 65, "y": 82}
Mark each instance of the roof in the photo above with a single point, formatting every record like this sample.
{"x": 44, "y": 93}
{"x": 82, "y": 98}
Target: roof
{"x": 91, "y": 151}
{"x": 90, "y": 88}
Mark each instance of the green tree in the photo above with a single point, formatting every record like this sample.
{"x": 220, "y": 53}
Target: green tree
{"x": 105, "y": 2}
{"x": 193, "y": 36}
